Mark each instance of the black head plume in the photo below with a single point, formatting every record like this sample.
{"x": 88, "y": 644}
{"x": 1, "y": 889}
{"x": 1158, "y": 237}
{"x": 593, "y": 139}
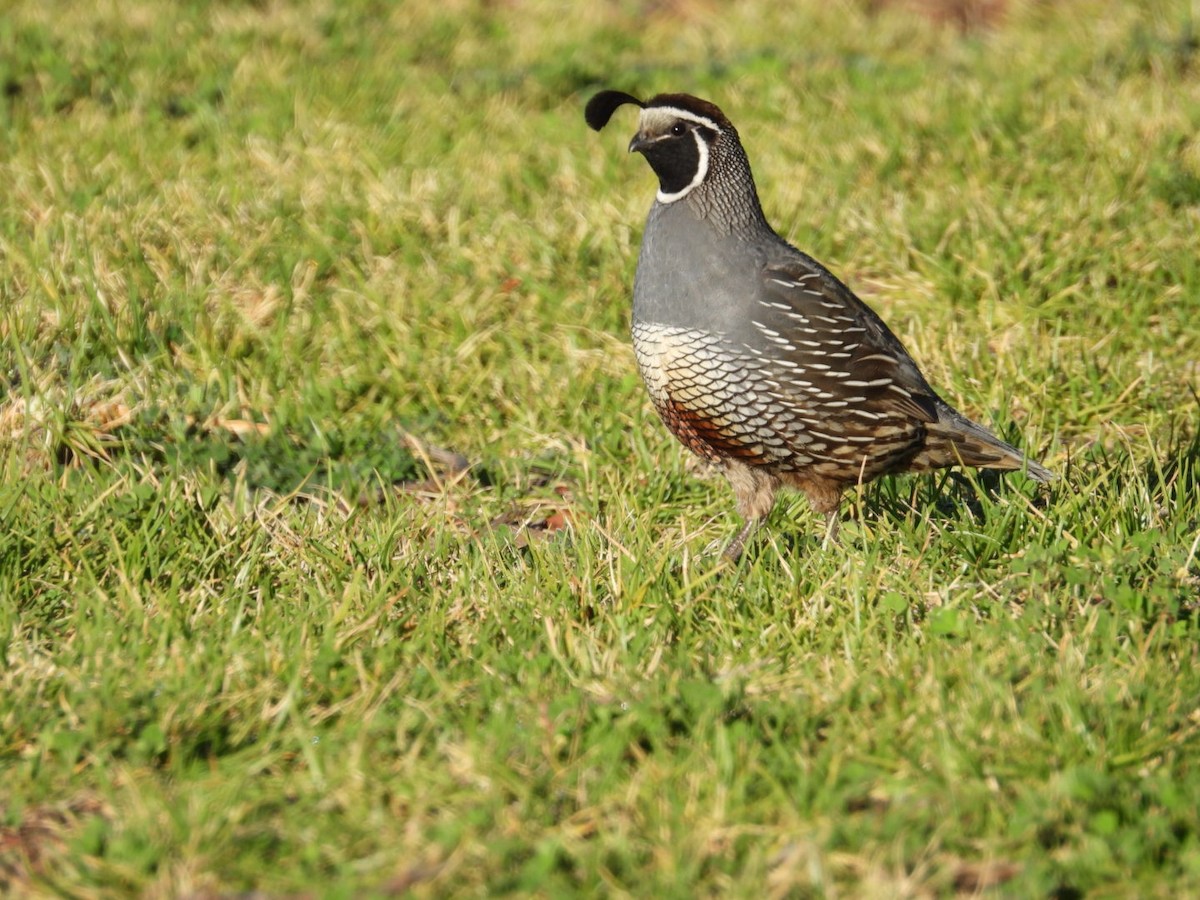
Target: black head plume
{"x": 601, "y": 107}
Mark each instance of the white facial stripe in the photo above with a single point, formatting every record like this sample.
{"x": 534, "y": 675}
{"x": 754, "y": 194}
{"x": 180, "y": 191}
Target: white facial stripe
{"x": 663, "y": 115}
{"x": 701, "y": 171}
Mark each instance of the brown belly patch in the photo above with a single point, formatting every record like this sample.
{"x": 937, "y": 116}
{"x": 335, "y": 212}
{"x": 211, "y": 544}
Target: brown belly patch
{"x": 702, "y": 435}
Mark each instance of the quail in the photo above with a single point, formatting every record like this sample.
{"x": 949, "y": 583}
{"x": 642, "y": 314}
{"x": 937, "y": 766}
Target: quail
{"x": 755, "y": 356}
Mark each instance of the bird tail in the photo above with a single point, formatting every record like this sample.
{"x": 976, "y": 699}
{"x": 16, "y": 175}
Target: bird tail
{"x": 955, "y": 440}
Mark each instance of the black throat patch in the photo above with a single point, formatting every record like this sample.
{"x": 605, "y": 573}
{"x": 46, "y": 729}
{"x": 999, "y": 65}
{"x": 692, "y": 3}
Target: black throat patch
{"x": 677, "y": 160}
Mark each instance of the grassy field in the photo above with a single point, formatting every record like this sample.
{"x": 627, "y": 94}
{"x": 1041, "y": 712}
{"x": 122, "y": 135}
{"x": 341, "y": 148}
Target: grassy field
{"x": 343, "y": 555}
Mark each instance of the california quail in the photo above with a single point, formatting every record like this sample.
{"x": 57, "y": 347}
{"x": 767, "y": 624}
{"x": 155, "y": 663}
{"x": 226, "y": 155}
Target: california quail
{"x": 755, "y": 356}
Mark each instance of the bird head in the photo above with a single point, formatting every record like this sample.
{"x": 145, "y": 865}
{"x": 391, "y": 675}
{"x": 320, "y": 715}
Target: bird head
{"x": 677, "y": 133}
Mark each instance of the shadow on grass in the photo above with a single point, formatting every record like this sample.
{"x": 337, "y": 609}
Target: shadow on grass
{"x": 309, "y": 459}
{"x": 316, "y": 462}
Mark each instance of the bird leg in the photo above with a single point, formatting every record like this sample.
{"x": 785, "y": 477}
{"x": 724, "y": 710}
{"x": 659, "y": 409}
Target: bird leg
{"x": 832, "y": 527}
{"x": 733, "y": 551}
{"x": 825, "y": 496}
{"x": 754, "y": 490}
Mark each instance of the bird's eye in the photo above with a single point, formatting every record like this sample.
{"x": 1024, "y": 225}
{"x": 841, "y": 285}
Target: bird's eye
{"x": 679, "y": 129}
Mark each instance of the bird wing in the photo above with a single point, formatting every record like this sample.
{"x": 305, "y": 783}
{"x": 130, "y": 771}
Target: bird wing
{"x": 831, "y": 351}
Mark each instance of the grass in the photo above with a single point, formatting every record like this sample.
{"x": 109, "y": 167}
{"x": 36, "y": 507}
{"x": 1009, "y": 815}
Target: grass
{"x": 344, "y": 556}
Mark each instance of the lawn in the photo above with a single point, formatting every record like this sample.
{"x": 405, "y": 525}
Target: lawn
{"x": 343, "y": 554}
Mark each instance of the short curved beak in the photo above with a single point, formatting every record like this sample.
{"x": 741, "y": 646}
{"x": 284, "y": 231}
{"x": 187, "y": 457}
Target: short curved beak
{"x": 639, "y": 143}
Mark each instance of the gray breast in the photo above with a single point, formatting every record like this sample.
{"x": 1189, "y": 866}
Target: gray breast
{"x": 690, "y": 275}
